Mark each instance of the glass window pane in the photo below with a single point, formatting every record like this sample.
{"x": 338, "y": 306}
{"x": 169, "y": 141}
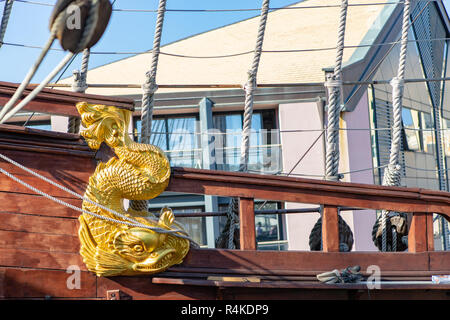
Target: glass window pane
{"x": 178, "y": 137}
{"x": 260, "y": 155}
{"x": 40, "y": 124}
{"x": 427, "y": 133}
{"x": 183, "y": 142}
{"x": 194, "y": 226}
{"x": 446, "y": 136}
{"x": 410, "y": 120}
{"x": 159, "y": 133}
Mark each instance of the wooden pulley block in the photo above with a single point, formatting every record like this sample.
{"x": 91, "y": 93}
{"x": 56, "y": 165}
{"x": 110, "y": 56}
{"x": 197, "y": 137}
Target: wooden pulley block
{"x": 70, "y": 30}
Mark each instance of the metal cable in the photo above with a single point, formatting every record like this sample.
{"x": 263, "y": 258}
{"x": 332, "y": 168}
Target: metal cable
{"x": 234, "y": 10}
{"x": 235, "y": 54}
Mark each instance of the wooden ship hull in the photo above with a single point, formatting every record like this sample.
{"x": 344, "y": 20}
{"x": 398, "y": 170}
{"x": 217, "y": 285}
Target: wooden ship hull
{"x": 39, "y": 244}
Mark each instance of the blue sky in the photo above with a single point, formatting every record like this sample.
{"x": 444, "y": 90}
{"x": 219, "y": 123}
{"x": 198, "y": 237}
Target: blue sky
{"x": 127, "y": 31}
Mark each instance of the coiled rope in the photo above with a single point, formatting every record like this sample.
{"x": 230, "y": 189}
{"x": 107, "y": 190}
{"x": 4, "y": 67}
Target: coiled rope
{"x": 5, "y": 18}
{"x": 150, "y": 87}
{"x": 9, "y": 110}
{"x": 249, "y": 88}
{"x": 126, "y": 219}
{"x": 392, "y": 174}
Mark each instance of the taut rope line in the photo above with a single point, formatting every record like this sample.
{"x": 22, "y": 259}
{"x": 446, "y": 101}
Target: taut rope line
{"x": 150, "y": 87}
{"x": 79, "y": 85}
{"x": 392, "y": 174}
{"x": 249, "y": 88}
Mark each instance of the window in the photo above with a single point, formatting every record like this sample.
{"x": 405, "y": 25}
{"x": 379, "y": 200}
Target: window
{"x": 38, "y": 124}
{"x": 265, "y": 150}
{"x": 269, "y": 228}
{"x": 427, "y": 132}
{"x": 194, "y": 226}
{"x": 178, "y": 137}
{"x": 411, "y": 125}
{"x": 446, "y": 136}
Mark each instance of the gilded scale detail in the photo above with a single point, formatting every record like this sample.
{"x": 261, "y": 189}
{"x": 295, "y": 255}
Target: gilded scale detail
{"x": 139, "y": 172}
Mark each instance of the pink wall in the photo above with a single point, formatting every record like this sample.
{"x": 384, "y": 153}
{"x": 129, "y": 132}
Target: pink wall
{"x": 305, "y": 116}
{"x": 355, "y": 154}
{"x": 358, "y": 153}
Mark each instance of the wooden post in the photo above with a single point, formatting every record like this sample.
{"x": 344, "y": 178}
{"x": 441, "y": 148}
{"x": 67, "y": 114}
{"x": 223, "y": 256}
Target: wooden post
{"x": 417, "y": 236}
{"x": 430, "y": 232}
{"x": 330, "y": 229}
{"x": 247, "y": 223}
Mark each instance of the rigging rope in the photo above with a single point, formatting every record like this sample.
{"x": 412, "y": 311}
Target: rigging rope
{"x": 334, "y": 85}
{"x": 9, "y": 110}
{"x": 79, "y": 85}
{"x": 5, "y": 18}
{"x": 249, "y": 88}
{"x": 335, "y": 101}
{"x": 150, "y": 87}
{"x": 392, "y": 174}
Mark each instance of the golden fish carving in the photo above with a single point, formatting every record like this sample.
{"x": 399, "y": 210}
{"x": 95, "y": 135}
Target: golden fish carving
{"x": 139, "y": 172}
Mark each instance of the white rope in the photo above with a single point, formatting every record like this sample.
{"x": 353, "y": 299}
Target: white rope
{"x": 79, "y": 85}
{"x": 126, "y": 220}
{"x": 89, "y": 30}
{"x": 249, "y": 88}
{"x": 149, "y": 88}
{"x": 16, "y": 96}
{"x": 334, "y": 85}
{"x": 392, "y": 174}
{"x": 5, "y": 18}
{"x": 37, "y": 90}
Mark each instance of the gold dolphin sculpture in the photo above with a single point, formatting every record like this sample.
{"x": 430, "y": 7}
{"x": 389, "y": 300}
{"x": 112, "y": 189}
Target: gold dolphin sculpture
{"x": 139, "y": 172}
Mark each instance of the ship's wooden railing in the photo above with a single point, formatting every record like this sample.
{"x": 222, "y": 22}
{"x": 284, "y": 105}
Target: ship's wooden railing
{"x": 421, "y": 203}
{"x": 60, "y": 102}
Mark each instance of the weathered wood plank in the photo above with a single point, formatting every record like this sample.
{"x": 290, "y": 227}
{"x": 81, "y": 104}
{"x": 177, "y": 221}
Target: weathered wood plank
{"x": 303, "y": 260}
{"x": 37, "y": 224}
{"x": 247, "y": 224}
{"x": 330, "y": 229}
{"x": 35, "y": 283}
{"x": 294, "y": 284}
{"x": 142, "y": 288}
{"x": 440, "y": 261}
{"x": 417, "y": 235}
{"x": 22, "y": 258}
{"x": 60, "y": 102}
{"x": 37, "y": 205}
{"x": 68, "y": 171}
{"x": 430, "y": 232}
{"x": 39, "y": 241}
